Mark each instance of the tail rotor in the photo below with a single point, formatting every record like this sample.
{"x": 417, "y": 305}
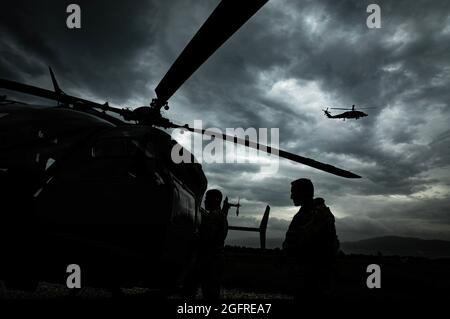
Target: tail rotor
{"x": 327, "y": 113}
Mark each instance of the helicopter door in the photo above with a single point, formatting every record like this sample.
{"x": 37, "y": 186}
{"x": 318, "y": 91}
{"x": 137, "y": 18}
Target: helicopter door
{"x": 181, "y": 243}
{"x": 183, "y": 209}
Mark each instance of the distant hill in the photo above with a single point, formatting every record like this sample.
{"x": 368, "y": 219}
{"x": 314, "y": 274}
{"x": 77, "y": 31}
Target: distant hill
{"x": 253, "y": 242}
{"x": 402, "y": 246}
{"x": 388, "y": 245}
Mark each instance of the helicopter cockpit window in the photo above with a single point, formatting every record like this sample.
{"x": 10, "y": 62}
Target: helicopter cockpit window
{"x": 114, "y": 147}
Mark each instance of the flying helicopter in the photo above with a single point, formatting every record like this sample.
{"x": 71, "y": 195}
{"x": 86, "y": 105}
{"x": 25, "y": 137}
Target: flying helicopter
{"x": 350, "y": 114}
{"x": 92, "y": 184}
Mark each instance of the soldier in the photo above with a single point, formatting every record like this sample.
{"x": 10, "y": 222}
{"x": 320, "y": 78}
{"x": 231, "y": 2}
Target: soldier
{"x": 213, "y": 231}
{"x": 311, "y": 243}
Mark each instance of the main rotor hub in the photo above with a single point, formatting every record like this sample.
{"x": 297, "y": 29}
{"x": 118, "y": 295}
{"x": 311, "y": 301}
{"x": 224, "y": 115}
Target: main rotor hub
{"x": 150, "y": 115}
{"x": 156, "y": 103}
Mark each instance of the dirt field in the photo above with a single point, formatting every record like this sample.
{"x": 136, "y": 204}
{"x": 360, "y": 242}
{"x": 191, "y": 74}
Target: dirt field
{"x": 260, "y": 274}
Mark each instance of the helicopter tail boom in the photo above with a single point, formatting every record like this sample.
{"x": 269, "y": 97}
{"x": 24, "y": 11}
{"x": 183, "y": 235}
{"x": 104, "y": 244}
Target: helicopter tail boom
{"x": 327, "y": 113}
{"x": 261, "y": 229}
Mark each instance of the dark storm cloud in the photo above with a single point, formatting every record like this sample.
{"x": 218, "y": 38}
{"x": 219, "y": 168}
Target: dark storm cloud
{"x": 402, "y": 69}
{"x": 351, "y": 66}
{"x": 100, "y": 58}
{"x": 292, "y": 59}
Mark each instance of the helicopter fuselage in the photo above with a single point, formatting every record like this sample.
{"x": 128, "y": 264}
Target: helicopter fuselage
{"x": 347, "y": 115}
{"x": 91, "y": 190}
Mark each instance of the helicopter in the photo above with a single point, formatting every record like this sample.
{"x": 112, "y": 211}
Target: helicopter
{"x": 350, "y": 114}
{"x": 262, "y": 226}
{"x": 88, "y": 183}
{"x": 238, "y": 205}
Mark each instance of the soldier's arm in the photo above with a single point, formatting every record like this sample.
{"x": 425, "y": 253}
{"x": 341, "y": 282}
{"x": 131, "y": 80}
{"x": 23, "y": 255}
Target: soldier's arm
{"x": 321, "y": 220}
{"x": 295, "y": 236}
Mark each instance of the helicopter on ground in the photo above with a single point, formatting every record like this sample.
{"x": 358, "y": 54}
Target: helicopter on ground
{"x": 350, "y": 114}
{"x": 87, "y": 183}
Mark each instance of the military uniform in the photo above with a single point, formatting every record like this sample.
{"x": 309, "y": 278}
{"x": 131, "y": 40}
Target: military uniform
{"x": 209, "y": 266}
{"x": 310, "y": 247}
{"x": 213, "y": 231}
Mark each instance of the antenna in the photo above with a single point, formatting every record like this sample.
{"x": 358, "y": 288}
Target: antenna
{"x": 55, "y": 83}
{"x": 56, "y": 87}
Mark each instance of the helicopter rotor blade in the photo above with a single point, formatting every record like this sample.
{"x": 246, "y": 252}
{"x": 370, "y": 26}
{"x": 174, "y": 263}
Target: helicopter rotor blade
{"x": 225, "y": 20}
{"x": 356, "y": 108}
{"x": 37, "y": 91}
{"x": 271, "y": 150}
{"x": 59, "y": 97}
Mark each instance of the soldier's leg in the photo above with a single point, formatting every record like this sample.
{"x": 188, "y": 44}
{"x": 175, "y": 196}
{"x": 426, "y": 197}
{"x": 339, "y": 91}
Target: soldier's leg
{"x": 305, "y": 282}
{"x": 212, "y": 279}
{"x": 321, "y": 280}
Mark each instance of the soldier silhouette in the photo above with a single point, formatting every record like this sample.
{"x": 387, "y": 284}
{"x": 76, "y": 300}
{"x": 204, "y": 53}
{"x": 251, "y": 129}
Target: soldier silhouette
{"x": 311, "y": 243}
{"x": 209, "y": 267}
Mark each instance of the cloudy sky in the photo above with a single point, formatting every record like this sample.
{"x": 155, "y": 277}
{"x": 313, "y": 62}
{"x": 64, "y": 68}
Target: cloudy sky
{"x": 292, "y": 59}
